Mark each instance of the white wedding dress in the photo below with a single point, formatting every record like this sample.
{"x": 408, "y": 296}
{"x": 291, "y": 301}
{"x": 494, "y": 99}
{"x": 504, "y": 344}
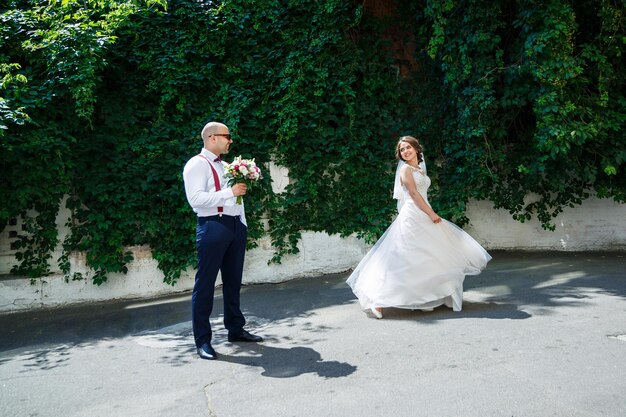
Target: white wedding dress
{"x": 417, "y": 264}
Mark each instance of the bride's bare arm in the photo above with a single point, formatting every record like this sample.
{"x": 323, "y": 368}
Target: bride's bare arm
{"x": 407, "y": 179}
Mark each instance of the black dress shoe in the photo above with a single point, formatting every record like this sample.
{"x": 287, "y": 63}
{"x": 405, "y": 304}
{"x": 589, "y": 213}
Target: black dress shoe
{"x": 207, "y": 352}
{"x": 245, "y": 337}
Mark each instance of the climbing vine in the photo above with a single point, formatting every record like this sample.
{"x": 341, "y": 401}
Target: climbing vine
{"x": 533, "y": 109}
{"x": 101, "y": 104}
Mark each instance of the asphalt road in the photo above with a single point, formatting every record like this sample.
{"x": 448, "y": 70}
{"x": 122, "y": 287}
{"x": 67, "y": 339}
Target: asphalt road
{"x": 539, "y": 335}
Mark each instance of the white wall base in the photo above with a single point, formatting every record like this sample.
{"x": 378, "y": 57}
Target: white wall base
{"x": 319, "y": 254}
{"x": 595, "y": 225}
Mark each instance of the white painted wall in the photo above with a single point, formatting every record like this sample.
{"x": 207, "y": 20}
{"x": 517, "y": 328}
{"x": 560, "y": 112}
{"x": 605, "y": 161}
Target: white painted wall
{"x": 319, "y": 254}
{"x": 595, "y": 225}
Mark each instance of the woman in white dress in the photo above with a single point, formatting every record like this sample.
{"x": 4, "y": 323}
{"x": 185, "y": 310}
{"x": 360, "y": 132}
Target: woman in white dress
{"x": 420, "y": 262}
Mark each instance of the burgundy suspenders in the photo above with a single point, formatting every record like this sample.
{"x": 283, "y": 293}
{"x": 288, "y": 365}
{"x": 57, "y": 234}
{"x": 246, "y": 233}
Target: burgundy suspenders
{"x": 216, "y": 179}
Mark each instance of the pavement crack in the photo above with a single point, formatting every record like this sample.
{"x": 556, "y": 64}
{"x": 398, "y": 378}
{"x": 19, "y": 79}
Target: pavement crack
{"x": 210, "y": 408}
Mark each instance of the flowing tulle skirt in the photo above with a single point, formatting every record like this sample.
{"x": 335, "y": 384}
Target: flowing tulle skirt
{"x": 417, "y": 264}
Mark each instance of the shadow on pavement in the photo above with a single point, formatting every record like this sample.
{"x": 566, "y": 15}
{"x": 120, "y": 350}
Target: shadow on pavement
{"x": 287, "y": 362}
{"x": 552, "y": 279}
{"x": 471, "y": 310}
{"x": 512, "y": 281}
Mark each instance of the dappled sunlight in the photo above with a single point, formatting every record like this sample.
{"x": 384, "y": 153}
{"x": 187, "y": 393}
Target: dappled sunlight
{"x": 160, "y": 301}
{"x": 559, "y": 279}
{"x": 296, "y": 316}
{"x": 549, "y": 280}
{"x": 485, "y": 293}
{"x": 531, "y": 267}
{"x": 49, "y": 358}
{"x": 45, "y": 359}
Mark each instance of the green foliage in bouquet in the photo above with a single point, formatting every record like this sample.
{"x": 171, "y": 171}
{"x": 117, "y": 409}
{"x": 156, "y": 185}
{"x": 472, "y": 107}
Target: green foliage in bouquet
{"x": 103, "y": 102}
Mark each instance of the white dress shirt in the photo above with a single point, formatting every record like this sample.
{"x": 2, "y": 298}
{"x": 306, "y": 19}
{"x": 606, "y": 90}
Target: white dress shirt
{"x": 201, "y": 192}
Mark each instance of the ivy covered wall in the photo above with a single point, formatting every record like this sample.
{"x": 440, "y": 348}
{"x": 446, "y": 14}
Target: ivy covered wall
{"x": 104, "y": 101}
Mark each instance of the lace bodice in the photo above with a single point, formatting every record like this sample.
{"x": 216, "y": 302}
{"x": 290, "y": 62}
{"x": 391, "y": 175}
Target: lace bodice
{"x": 422, "y": 182}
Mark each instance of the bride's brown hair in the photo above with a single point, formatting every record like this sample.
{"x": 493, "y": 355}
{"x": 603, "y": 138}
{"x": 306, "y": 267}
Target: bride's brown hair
{"x": 414, "y": 144}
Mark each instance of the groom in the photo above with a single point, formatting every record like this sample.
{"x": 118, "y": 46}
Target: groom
{"x": 221, "y": 235}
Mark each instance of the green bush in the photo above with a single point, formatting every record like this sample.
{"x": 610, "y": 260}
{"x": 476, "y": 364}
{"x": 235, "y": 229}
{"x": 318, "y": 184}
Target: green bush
{"x": 103, "y": 101}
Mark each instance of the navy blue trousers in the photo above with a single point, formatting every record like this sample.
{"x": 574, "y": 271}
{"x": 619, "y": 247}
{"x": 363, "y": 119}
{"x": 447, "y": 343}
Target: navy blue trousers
{"x": 221, "y": 246}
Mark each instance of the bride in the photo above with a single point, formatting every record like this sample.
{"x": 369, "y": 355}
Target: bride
{"x": 420, "y": 262}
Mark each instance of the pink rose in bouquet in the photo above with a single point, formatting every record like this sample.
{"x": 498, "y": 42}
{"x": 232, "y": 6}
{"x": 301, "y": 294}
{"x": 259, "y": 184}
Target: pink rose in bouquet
{"x": 242, "y": 171}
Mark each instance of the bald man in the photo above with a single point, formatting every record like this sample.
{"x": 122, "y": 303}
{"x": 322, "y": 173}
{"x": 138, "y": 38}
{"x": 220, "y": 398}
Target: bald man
{"x": 221, "y": 235}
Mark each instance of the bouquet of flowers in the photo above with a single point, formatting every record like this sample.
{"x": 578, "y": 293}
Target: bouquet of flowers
{"x": 242, "y": 171}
